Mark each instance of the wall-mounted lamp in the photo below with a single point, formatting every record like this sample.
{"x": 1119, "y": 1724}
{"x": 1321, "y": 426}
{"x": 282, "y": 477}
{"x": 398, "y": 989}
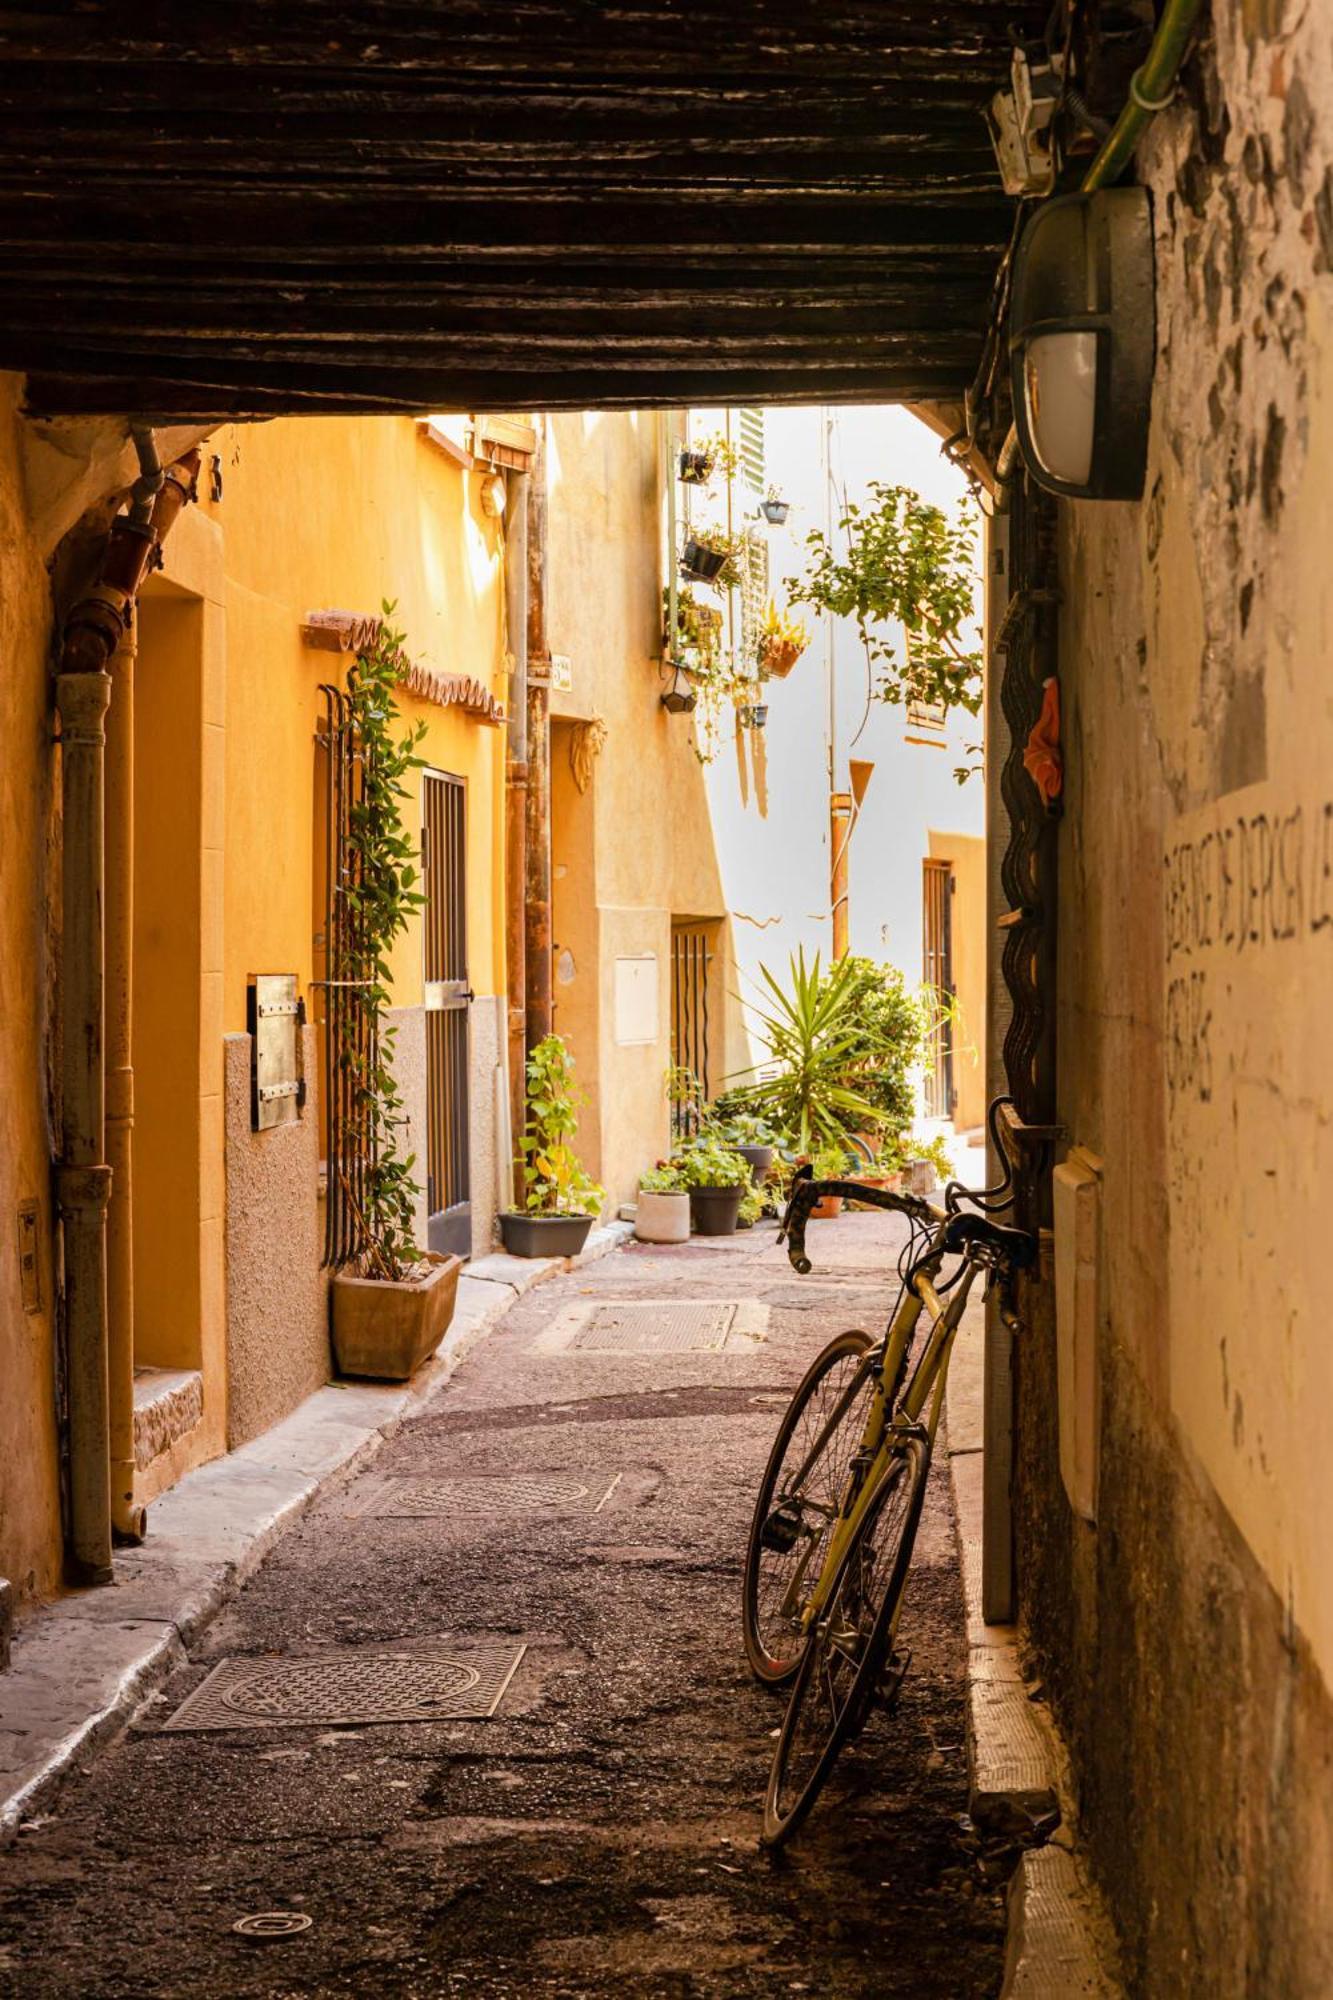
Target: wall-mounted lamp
{"x": 1082, "y": 341}
{"x": 680, "y": 697}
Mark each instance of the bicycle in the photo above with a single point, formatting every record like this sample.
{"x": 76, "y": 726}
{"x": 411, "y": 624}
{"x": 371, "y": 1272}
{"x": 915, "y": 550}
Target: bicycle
{"x": 837, "y": 1512}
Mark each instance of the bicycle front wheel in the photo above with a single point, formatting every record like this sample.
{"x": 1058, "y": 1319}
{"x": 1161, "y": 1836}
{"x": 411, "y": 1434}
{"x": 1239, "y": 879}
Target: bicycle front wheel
{"x": 798, "y": 1502}
{"x": 849, "y": 1646}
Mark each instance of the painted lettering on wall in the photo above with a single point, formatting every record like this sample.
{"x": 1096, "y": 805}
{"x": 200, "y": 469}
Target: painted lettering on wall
{"x": 1246, "y": 886}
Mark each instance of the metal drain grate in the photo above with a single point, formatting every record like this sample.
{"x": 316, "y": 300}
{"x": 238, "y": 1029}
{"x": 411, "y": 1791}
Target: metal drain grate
{"x": 420, "y": 1683}
{"x": 482, "y": 1493}
{"x": 655, "y": 1328}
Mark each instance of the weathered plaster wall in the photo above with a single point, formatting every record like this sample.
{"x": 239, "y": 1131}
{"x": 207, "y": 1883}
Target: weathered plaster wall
{"x": 29, "y": 779}
{"x": 277, "y": 1296}
{"x": 1187, "y": 1637}
{"x": 408, "y": 1025}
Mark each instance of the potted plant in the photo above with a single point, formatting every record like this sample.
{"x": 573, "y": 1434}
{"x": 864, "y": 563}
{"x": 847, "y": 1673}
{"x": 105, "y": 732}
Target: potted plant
{"x": 709, "y": 556}
{"x": 700, "y": 460}
{"x": 561, "y": 1202}
{"x": 782, "y": 640}
{"x": 662, "y": 1214}
{"x": 717, "y": 1178}
{"x": 751, "y": 1208}
{"x": 391, "y": 1302}
{"x": 749, "y": 1135}
{"x": 829, "y": 1164}
{"x": 774, "y": 508}
{"x": 813, "y": 1033}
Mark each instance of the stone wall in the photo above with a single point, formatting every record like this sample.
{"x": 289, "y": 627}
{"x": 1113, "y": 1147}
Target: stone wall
{"x": 277, "y": 1296}
{"x": 1186, "y": 1636}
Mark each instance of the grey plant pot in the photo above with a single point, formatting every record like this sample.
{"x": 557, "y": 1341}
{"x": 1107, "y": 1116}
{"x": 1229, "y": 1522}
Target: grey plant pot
{"x": 544, "y": 1235}
{"x": 714, "y": 1211}
{"x": 759, "y": 1160}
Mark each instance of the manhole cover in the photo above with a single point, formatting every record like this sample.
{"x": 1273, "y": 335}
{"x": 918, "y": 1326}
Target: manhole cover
{"x": 418, "y": 1684}
{"x": 273, "y": 1924}
{"x": 478, "y": 1493}
{"x": 656, "y": 1326}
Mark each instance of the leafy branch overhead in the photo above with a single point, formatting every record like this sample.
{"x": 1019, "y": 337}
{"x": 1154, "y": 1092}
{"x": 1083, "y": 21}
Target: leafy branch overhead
{"x": 907, "y": 577}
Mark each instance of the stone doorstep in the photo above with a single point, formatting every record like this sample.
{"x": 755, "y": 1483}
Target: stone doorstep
{"x": 168, "y": 1402}
{"x": 1060, "y": 1944}
{"x": 82, "y": 1665}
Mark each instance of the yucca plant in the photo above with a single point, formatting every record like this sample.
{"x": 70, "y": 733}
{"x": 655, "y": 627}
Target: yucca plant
{"x": 813, "y": 1033}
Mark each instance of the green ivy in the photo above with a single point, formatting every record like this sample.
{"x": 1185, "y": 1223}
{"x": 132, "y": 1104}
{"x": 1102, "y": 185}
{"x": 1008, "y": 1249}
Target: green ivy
{"x": 380, "y": 894}
{"x": 908, "y": 565}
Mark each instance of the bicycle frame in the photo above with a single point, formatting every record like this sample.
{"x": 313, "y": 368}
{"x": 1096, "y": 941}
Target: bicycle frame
{"x": 875, "y": 1455}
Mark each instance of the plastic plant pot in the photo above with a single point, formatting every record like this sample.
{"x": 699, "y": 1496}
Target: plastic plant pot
{"x": 544, "y": 1235}
{"x": 662, "y": 1218}
{"x": 759, "y": 716}
{"x": 714, "y": 1211}
{"x": 759, "y": 1159}
{"x": 696, "y": 467}
{"x": 385, "y": 1328}
{"x": 775, "y": 511}
{"x": 701, "y": 563}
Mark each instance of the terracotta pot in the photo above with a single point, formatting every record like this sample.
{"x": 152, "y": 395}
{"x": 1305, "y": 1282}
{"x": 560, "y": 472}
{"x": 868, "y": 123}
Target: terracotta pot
{"x": 826, "y": 1208}
{"x": 714, "y": 1210}
{"x": 544, "y": 1235}
{"x": 662, "y": 1218}
{"x": 386, "y": 1328}
{"x": 892, "y": 1182}
{"x": 778, "y": 657}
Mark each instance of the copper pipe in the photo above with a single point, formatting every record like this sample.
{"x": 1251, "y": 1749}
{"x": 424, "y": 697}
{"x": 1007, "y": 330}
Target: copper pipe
{"x": 537, "y": 871}
{"x": 840, "y": 825}
{"x": 516, "y": 807}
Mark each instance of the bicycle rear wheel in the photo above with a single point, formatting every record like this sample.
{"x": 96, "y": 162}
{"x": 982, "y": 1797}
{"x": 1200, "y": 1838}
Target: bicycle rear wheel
{"x": 849, "y": 1646}
{"x": 798, "y": 1501}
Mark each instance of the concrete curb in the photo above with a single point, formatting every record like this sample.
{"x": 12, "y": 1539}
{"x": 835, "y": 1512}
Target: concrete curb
{"x": 1019, "y": 1785}
{"x": 81, "y": 1666}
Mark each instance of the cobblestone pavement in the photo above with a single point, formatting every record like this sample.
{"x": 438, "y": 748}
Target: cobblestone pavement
{"x": 598, "y": 1834}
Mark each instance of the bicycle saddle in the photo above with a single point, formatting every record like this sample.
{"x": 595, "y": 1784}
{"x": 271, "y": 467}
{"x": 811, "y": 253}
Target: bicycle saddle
{"x": 1016, "y": 1246}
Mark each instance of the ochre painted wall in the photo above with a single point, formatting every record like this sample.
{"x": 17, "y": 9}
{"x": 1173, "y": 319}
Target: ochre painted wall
{"x": 967, "y": 852}
{"x": 29, "y": 781}
{"x": 1187, "y": 1636}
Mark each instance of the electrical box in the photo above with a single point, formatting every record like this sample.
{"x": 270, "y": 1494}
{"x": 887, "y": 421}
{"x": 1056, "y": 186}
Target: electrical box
{"x": 275, "y": 1016}
{"x": 636, "y": 1001}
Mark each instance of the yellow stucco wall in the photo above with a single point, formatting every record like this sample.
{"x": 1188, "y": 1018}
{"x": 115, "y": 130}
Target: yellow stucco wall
{"x": 639, "y": 847}
{"x": 29, "y": 1497}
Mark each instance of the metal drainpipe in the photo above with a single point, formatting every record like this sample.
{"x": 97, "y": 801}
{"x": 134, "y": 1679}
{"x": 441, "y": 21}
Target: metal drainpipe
{"x": 93, "y": 631}
{"x": 516, "y": 799}
{"x": 537, "y": 942}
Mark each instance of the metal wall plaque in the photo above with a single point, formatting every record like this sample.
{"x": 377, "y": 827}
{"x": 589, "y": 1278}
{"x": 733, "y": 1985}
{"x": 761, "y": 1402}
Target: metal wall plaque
{"x": 275, "y": 1015}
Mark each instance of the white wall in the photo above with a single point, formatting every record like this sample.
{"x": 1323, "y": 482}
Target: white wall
{"x": 773, "y": 837}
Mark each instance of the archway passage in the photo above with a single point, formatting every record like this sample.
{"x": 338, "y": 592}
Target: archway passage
{"x": 374, "y": 208}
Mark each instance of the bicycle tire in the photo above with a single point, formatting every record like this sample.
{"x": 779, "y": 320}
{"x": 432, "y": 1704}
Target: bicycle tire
{"x": 840, "y": 1667}
{"x": 769, "y": 1574}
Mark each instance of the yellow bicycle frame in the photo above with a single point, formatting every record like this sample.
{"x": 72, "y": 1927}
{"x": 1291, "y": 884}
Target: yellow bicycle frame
{"x": 878, "y": 1447}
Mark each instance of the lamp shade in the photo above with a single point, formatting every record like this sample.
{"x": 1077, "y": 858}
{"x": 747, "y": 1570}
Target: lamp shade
{"x": 1082, "y": 338}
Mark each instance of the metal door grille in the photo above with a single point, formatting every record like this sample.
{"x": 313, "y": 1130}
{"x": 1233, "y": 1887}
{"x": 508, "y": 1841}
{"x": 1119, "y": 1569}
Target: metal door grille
{"x": 937, "y": 972}
{"x": 447, "y": 994}
{"x": 349, "y": 1030}
{"x": 690, "y": 960}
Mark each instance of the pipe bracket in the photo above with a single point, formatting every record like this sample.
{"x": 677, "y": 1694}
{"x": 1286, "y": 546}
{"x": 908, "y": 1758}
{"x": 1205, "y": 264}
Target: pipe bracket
{"x": 81, "y": 1188}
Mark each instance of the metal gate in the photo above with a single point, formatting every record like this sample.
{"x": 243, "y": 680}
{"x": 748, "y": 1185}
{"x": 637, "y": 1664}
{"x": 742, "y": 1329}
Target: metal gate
{"x": 690, "y": 960}
{"x": 447, "y": 995}
{"x": 937, "y": 883}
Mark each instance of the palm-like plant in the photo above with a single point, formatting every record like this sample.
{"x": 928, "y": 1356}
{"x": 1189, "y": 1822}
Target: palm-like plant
{"x": 813, "y": 1033}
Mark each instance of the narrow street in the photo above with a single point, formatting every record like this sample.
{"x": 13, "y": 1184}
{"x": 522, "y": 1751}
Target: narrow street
{"x": 598, "y": 1833}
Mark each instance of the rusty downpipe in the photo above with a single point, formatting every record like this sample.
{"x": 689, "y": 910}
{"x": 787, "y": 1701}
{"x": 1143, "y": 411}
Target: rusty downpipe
{"x": 537, "y": 942}
{"x": 516, "y": 806}
{"x": 95, "y": 631}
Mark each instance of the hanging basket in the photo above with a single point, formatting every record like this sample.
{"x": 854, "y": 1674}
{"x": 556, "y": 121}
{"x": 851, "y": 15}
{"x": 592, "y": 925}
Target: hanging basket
{"x": 777, "y": 657}
{"x": 701, "y": 563}
{"x": 696, "y": 467}
{"x": 775, "y": 511}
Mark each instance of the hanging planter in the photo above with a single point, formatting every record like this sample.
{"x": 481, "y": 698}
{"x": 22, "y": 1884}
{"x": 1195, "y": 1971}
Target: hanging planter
{"x": 753, "y": 716}
{"x": 701, "y": 561}
{"x": 774, "y": 510}
{"x": 782, "y": 641}
{"x": 696, "y": 467}
{"x": 679, "y": 698}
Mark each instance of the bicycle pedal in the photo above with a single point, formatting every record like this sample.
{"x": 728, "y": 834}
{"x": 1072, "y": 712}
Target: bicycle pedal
{"x": 780, "y": 1531}
{"x": 891, "y": 1680}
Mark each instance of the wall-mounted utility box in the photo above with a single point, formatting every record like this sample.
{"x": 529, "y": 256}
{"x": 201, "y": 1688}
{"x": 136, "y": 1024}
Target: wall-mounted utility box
{"x": 275, "y": 1016}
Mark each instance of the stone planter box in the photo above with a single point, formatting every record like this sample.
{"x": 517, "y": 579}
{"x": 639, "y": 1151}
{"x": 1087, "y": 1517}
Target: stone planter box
{"x": 662, "y": 1218}
{"x": 385, "y": 1328}
{"x": 714, "y": 1211}
{"x": 544, "y": 1235}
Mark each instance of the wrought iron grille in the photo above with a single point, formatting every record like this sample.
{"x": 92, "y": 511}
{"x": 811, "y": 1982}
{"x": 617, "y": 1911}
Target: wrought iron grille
{"x": 348, "y": 1022}
{"x": 690, "y": 960}
{"x": 937, "y": 880}
{"x": 447, "y": 994}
